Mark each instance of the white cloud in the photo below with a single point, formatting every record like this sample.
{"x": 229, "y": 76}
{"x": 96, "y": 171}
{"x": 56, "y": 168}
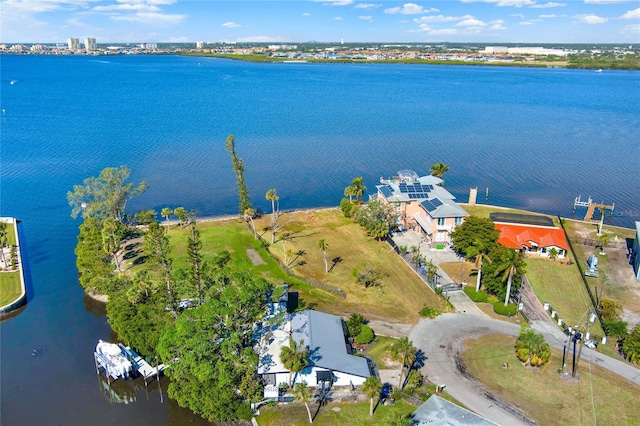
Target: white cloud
{"x": 366, "y": 18}
{"x": 496, "y": 24}
{"x": 445, "y": 31}
{"x": 471, "y": 22}
{"x": 230, "y": 24}
{"x": 633, "y": 30}
{"x": 409, "y": 9}
{"x": 607, "y": 1}
{"x": 632, "y": 14}
{"x": 518, "y": 15}
{"x": 591, "y": 19}
{"x": 338, "y": 18}
{"x": 127, "y": 7}
{"x": 504, "y": 3}
{"x": 306, "y": 14}
{"x": 440, "y": 18}
{"x": 551, "y": 16}
{"x": 150, "y": 18}
{"x": 525, "y": 23}
{"x": 547, "y": 5}
{"x": 335, "y": 2}
{"x": 366, "y": 6}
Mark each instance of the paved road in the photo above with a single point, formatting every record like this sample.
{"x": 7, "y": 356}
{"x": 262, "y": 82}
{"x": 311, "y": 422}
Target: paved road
{"x": 441, "y": 339}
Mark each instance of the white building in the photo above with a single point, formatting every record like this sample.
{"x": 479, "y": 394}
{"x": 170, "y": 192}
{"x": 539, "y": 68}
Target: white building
{"x": 330, "y": 359}
{"x": 73, "y": 43}
{"x": 90, "y": 44}
{"x": 495, "y": 49}
{"x": 199, "y": 44}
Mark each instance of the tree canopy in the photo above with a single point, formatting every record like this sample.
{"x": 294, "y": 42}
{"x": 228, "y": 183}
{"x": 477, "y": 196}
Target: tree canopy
{"x": 438, "y": 169}
{"x": 507, "y": 266}
{"x": 475, "y": 235}
{"x": 105, "y": 195}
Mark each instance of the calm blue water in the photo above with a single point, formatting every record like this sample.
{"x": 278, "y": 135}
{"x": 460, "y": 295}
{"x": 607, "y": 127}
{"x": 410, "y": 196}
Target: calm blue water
{"x": 536, "y": 138}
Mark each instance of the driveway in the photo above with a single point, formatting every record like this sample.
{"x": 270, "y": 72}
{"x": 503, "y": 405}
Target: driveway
{"x": 441, "y": 340}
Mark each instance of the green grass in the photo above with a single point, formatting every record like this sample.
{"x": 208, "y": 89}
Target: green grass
{"x": 547, "y": 397}
{"x": 561, "y": 285}
{"x": 353, "y": 413}
{"x": 379, "y": 351}
{"x": 10, "y": 288}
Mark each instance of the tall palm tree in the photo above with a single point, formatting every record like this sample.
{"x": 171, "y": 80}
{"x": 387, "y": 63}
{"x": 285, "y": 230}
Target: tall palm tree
{"x": 479, "y": 249}
{"x": 604, "y": 239}
{"x": 248, "y": 217}
{"x": 439, "y": 169}
{"x": 322, "y": 245}
{"x": 510, "y": 263}
{"x": 404, "y": 351}
{"x": 294, "y": 357}
{"x": 358, "y": 187}
{"x": 272, "y": 195}
{"x": 303, "y": 393}
{"x": 371, "y": 387}
{"x": 166, "y": 212}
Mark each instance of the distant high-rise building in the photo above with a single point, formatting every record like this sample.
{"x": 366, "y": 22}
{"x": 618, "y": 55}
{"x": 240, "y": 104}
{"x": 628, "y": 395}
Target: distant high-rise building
{"x": 73, "y": 43}
{"x": 90, "y": 44}
{"x": 199, "y": 44}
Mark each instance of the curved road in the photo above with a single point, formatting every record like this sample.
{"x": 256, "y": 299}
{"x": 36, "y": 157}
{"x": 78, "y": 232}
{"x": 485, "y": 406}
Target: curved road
{"x": 441, "y": 338}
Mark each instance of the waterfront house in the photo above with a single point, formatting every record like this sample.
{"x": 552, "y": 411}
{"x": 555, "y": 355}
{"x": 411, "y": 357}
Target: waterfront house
{"x": 330, "y": 360}
{"x": 532, "y": 239}
{"x": 422, "y": 204}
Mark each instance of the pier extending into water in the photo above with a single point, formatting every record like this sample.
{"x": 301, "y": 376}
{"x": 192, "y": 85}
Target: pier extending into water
{"x": 124, "y": 364}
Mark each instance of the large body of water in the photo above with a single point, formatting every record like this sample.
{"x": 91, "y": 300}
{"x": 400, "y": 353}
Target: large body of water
{"x": 536, "y": 138}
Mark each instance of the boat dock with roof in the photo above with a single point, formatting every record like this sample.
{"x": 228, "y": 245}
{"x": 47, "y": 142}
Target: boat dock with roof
{"x": 121, "y": 362}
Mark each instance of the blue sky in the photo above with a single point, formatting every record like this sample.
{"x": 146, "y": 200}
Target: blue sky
{"x": 491, "y": 21}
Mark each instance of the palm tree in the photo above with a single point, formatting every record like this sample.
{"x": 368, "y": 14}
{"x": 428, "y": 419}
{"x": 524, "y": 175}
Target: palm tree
{"x": 272, "y": 195}
{"x": 248, "y": 217}
{"x": 358, "y": 187}
{"x": 553, "y": 253}
{"x": 479, "y": 250}
{"x": 303, "y": 393}
{"x": 294, "y": 357}
{"x": 510, "y": 263}
{"x": 439, "y": 169}
{"x": 183, "y": 215}
{"x": 531, "y": 348}
{"x": 371, "y": 387}
{"x": 166, "y": 212}
{"x": 603, "y": 210}
{"x": 322, "y": 245}
{"x": 4, "y": 239}
{"x": 432, "y": 271}
{"x": 604, "y": 239}
{"x": 403, "y": 350}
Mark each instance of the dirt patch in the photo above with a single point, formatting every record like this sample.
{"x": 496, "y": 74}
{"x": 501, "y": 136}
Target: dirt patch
{"x": 255, "y": 257}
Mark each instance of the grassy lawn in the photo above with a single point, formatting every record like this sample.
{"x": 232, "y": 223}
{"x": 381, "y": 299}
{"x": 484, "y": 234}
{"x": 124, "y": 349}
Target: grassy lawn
{"x": 561, "y": 286}
{"x": 9, "y": 287}
{"x": 380, "y": 354}
{"x": 400, "y": 297}
{"x": 545, "y": 395}
{"x": 484, "y": 211}
{"x": 352, "y": 413}
{"x": 402, "y": 293}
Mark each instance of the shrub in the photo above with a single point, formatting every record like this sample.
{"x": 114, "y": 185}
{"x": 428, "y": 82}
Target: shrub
{"x": 348, "y": 207}
{"x": 429, "y": 312}
{"x": 354, "y": 325}
{"x": 476, "y": 296}
{"x": 509, "y": 310}
{"x": 366, "y": 335}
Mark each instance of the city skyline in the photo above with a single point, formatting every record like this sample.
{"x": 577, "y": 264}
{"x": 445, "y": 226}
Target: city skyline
{"x": 490, "y": 21}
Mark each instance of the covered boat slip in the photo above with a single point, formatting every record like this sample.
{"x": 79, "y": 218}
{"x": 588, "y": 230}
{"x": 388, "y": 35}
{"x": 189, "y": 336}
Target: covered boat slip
{"x": 122, "y": 362}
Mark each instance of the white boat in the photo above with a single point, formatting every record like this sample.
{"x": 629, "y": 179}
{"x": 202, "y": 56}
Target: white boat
{"x": 112, "y": 358}
{"x": 12, "y": 82}
{"x": 599, "y": 70}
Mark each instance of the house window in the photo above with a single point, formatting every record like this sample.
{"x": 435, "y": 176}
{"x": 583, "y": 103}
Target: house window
{"x": 440, "y": 236}
{"x": 458, "y": 221}
{"x": 441, "y": 221}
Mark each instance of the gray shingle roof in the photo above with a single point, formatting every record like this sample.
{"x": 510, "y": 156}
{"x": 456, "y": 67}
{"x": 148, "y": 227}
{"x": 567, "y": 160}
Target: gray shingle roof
{"x": 324, "y": 335}
{"x": 440, "y": 412}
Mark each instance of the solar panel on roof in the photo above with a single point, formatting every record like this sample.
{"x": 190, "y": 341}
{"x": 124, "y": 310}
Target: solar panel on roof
{"x": 403, "y": 189}
{"x": 386, "y": 191}
{"x": 436, "y": 202}
{"x": 411, "y": 189}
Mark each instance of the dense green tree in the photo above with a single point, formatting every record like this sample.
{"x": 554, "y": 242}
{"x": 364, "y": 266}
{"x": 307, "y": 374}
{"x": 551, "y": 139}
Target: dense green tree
{"x": 113, "y": 233}
{"x": 294, "y": 357}
{"x": 376, "y": 217}
{"x": 356, "y": 189}
{"x": 156, "y": 246}
{"x": 475, "y": 235}
{"x": 439, "y": 169}
{"x": 183, "y": 215}
{"x": 631, "y": 346}
{"x": 354, "y": 324}
{"x": 94, "y": 266}
{"x": 303, "y": 393}
{"x": 238, "y": 169}
{"x": 210, "y": 350}
{"x": 145, "y": 217}
{"x": 365, "y": 336}
{"x": 196, "y": 261}
{"x": 403, "y": 350}
{"x": 531, "y": 348}
{"x": 348, "y": 207}
{"x": 615, "y": 328}
{"x": 371, "y": 388}
{"x": 106, "y": 195}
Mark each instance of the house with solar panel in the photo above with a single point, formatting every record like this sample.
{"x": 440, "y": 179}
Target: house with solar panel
{"x": 422, "y": 204}
{"x": 330, "y": 362}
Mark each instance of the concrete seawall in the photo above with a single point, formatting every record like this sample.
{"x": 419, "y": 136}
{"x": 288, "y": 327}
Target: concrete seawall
{"x": 22, "y": 298}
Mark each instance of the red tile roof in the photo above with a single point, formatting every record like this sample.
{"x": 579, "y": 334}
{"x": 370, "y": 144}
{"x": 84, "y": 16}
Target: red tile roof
{"x": 518, "y": 236}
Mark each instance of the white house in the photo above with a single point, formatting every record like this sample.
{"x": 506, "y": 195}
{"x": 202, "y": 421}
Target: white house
{"x": 330, "y": 359}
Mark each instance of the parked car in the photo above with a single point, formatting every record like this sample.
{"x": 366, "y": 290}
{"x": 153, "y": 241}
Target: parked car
{"x": 386, "y": 390}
